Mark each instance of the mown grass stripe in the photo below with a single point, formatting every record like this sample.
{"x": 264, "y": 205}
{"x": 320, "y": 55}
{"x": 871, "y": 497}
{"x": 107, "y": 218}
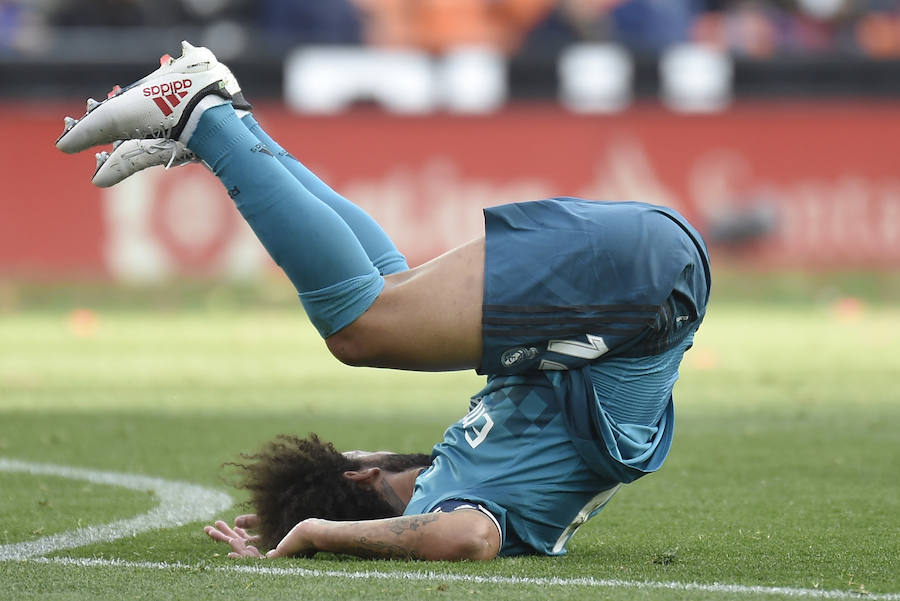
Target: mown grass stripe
{"x": 421, "y": 575}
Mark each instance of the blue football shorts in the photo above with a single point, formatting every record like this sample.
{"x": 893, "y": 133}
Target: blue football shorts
{"x": 570, "y": 282}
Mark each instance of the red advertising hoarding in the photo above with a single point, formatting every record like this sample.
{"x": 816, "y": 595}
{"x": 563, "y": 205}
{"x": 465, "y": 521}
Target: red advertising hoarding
{"x": 776, "y": 185}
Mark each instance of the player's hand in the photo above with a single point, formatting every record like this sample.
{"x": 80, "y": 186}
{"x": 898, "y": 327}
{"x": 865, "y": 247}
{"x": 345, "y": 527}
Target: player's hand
{"x": 242, "y": 543}
{"x": 299, "y": 541}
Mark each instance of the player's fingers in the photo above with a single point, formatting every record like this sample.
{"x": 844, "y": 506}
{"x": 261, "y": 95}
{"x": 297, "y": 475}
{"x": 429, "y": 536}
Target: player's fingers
{"x": 240, "y": 548}
{"x": 248, "y": 520}
{"x": 244, "y": 534}
{"x": 223, "y": 527}
{"x": 215, "y": 534}
{"x": 250, "y": 538}
{"x": 218, "y": 534}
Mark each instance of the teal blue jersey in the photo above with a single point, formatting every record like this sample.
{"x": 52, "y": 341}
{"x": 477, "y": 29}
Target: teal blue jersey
{"x": 513, "y": 455}
{"x": 588, "y": 309}
{"x": 542, "y": 453}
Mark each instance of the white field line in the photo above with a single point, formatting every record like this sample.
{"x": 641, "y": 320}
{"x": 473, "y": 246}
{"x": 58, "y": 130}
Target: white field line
{"x": 179, "y": 503}
{"x": 182, "y": 503}
{"x": 429, "y": 576}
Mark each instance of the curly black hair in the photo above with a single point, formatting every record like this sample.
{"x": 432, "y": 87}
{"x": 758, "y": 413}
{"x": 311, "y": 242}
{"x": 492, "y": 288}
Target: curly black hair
{"x": 291, "y": 479}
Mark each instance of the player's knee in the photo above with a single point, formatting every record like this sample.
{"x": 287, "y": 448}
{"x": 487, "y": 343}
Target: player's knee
{"x": 352, "y": 348}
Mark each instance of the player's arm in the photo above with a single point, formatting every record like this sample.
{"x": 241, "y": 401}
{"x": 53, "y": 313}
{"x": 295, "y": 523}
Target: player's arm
{"x": 466, "y": 534}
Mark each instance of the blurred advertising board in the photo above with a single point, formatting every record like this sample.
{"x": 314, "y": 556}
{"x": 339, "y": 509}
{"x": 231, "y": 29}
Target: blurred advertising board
{"x": 780, "y": 185}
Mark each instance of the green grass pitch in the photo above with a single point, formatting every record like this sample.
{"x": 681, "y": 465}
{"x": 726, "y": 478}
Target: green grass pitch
{"x": 784, "y": 479}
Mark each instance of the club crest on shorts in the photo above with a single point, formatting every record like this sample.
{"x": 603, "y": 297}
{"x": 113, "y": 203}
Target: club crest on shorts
{"x": 517, "y": 354}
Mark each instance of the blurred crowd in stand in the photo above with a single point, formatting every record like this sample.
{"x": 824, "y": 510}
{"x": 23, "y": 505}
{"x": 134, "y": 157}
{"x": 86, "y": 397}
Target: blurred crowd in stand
{"x": 750, "y": 28}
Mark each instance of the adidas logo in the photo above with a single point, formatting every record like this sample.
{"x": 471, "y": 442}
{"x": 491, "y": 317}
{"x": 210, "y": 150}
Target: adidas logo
{"x": 167, "y": 96}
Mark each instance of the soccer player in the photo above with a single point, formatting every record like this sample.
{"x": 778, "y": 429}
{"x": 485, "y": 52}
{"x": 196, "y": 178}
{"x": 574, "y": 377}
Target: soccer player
{"x": 577, "y": 311}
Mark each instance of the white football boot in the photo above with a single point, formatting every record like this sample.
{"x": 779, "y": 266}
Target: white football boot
{"x": 157, "y": 106}
{"x": 130, "y": 156}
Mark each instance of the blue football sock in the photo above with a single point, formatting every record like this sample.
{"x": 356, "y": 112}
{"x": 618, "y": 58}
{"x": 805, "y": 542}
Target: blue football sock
{"x": 375, "y": 241}
{"x": 317, "y": 250}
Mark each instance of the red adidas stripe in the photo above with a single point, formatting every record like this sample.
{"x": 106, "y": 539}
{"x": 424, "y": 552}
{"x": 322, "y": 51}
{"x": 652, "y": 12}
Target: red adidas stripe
{"x": 166, "y": 110}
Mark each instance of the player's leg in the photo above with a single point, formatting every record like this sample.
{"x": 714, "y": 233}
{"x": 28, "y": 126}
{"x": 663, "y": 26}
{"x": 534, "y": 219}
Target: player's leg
{"x": 130, "y": 156}
{"x": 186, "y": 100}
{"x": 317, "y": 250}
{"x": 170, "y": 96}
{"x": 427, "y": 318}
{"x": 378, "y": 245}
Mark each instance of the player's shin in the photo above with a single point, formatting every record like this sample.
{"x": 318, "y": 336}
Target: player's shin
{"x": 317, "y": 250}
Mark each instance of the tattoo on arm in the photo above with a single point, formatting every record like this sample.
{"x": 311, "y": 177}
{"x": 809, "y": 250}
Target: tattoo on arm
{"x": 371, "y": 547}
{"x": 412, "y": 523}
